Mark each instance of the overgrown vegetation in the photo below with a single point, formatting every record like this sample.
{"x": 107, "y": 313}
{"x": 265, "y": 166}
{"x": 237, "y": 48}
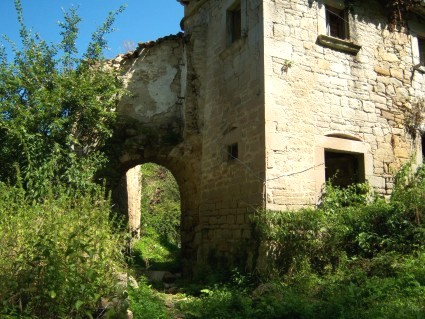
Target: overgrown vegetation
{"x": 59, "y": 252}
{"x": 159, "y": 245}
{"x": 357, "y": 256}
{"x": 146, "y": 303}
{"x": 58, "y": 257}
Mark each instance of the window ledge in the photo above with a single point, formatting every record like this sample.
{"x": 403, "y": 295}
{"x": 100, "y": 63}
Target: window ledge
{"x": 419, "y": 67}
{"x": 232, "y": 48}
{"x": 338, "y": 44}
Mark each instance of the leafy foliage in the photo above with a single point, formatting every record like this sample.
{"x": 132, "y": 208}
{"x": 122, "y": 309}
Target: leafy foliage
{"x": 325, "y": 237}
{"x": 59, "y": 253}
{"x": 334, "y": 197}
{"x": 146, "y": 304}
{"x": 55, "y": 107}
{"x": 58, "y": 257}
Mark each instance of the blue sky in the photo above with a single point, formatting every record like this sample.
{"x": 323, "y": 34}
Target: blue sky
{"x": 143, "y": 20}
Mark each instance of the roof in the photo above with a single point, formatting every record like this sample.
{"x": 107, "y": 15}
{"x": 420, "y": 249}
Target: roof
{"x": 150, "y": 44}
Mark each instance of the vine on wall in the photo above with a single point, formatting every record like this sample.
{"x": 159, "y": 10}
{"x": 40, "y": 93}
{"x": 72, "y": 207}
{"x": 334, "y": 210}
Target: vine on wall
{"x": 398, "y": 10}
{"x": 414, "y": 117}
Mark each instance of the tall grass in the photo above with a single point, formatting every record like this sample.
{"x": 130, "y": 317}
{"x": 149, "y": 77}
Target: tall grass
{"x": 59, "y": 255}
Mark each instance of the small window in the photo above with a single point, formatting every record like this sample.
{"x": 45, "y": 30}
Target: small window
{"x": 423, "y": 147}
{"x": 344, "y": 168}
{"x": 234, "y": 23}
{"x": 232, "y": 151}
{"x": 421, "y": 45}
{"x": 336, "y": 23}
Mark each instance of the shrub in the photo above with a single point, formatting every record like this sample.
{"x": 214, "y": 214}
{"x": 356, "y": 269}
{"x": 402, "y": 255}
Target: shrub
{"x": 57, "y": 256}
{"x": 335, "y": 197}
{"x": 352, "y": 258}
{"x": 154, "y": 251}
{"x": 145, "y": 304}
{"x": 408, "y": 194}
{"x": 58, "y": 251}
{"x": 219, "y": 302}
{"x": 344, "y": 226}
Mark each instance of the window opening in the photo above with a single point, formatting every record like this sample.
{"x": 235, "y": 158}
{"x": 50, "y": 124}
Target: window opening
{"x": 421, "y": 45}
{"x": 232, "y": 151}
{"x": 234, "y": 22}
{"x": 336, "y": 23}
{"x": 344, "y": 169}
{"x": 423, "y": 147}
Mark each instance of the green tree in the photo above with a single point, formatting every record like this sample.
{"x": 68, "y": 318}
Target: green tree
{"x": 59, "y": 251}
{"x": 56, "y": 107}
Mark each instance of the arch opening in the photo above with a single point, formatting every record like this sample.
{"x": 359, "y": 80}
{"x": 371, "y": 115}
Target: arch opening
{"x": 154, "y": 215}
{"x": 159, "y": 244}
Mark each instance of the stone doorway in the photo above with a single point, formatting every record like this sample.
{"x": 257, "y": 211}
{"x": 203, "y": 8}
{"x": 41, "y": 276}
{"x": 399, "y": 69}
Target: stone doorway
{"x": 154, "y": 214}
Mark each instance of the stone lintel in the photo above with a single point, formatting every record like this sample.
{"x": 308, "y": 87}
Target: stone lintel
{"x": 338, "y": 44}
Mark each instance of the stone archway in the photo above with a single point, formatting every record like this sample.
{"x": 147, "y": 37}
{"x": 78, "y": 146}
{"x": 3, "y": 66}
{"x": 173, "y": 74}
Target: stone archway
{"x": 128, "y": 193}
{"x": 158, "y": 124}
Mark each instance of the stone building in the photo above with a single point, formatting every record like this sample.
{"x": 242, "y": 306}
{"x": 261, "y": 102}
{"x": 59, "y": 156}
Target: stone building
{"x": 260, "y": 101}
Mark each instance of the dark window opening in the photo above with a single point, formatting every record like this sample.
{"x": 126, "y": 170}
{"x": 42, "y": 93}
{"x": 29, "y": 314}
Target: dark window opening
{"x": 234, "y": 23}
{"x": 336, "y": 23}
{"x": 421, "y": 45}
{"x": 344, "y": 169}
{"x": 423, "y": 147}
{"x": 232, "y": 151}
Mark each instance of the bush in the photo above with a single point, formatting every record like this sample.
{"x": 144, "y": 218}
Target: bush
{"x": 152, "y": 250}
{"x": 355, "y": 229}
{"x": 335, "y": 197}
{"x": 57, "y": 256}
{"x": 145, "y": 304}
{"x": 58, "y": 251}
{"x": 354, "y": 257}
{"x": 219, "y": 302}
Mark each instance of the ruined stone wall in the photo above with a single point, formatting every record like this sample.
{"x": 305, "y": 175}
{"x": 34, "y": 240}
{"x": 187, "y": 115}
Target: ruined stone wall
{"x": 152, "y": 74}
{"x": 155, "y": 125}
{"x": 229, "y": 89}
{"x": 319, "y": 98}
